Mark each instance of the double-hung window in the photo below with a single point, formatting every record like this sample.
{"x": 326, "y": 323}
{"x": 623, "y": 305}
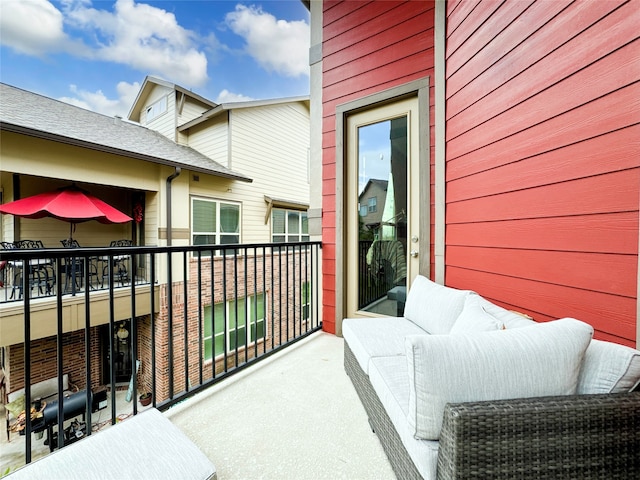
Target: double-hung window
{"x": 289, "y": 226}
{"x": 214, "y": 222}
{"x": 236, "y": 332}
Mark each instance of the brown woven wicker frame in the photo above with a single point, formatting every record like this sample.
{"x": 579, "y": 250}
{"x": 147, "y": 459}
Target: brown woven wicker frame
{"x": 380, "y": 422}
{"x": 567, "y": 437}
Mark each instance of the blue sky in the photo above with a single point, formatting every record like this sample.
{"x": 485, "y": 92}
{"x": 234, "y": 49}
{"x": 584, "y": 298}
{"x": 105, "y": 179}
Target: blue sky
{"x": 96, "y": 54}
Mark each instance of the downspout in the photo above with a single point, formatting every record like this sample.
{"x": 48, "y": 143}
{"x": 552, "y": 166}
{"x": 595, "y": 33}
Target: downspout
{"x": 170, "y": 179}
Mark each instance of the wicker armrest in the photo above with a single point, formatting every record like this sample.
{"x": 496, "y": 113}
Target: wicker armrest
{"x": 583, "y": 436}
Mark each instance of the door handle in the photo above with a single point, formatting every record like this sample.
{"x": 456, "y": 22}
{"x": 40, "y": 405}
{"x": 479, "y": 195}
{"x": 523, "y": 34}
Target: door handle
{"x": 414, "y": 253}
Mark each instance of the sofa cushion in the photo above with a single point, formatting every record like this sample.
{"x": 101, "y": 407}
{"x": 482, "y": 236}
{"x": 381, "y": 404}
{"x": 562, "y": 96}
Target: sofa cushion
{"x": 145, "y": 446}
{"x": 390, "y": 381}
{"x": 543, "y": 359}
{"x": 507, "y": 317}
{"x": 609, "y": 368}
{"x": 474, "y": 318}
{"x": 377, "y": 337}
{"x": 433, "y": 307}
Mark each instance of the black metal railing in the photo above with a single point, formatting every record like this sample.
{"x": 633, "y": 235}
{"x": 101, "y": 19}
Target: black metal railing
{"x": 42, "y": 276}
{"x": 372, "y": 282}
{"x": 381, "y": 267}
{"x": 198, "y": 315}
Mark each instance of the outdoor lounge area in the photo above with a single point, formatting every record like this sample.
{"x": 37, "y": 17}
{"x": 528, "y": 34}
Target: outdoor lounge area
{"x": 428, "y": 268}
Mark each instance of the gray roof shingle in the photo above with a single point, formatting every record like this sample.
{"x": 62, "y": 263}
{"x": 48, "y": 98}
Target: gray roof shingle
{"x": 35, "y": 115}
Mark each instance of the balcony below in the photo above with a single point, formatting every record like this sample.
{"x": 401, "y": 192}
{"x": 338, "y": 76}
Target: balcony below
{"x": 294, "y": 415}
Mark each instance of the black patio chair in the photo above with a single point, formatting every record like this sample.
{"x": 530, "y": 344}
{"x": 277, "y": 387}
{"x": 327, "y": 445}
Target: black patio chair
{"x": 41, "y": 272}
{"x": 3, "y": 264}
{"x": 119, "y": 266}
{"x": 74, "y": 269}
{"x": 29, "y": 244}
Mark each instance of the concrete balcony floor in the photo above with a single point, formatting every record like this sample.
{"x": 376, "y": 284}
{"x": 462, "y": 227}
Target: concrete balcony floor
{"x": 292, "y": 416}
{"x": 295, "y": 415}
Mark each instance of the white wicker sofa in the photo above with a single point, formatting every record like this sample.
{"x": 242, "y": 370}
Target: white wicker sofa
{"x": 462, "y": 388}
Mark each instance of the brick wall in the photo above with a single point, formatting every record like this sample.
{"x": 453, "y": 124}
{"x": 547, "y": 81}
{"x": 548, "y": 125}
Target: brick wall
{"x": 44, "y": 360}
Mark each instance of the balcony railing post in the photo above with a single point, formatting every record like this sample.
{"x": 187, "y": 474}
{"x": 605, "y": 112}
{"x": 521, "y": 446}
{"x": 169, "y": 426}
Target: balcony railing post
{"x": 273, "y": 305}
{"x": 112, "y": 360}
{"x": 235, "y": 303}
{"x": 224, "y": 310}
{"x": 170, "y": 320}
{"x": 152, "y": 306}
{"x": 87, "y": 351}
{"x": 185, "y": 315}
{"x": 134, "y": 336}
{"x": 200, "y": 319}
{"x": 59, "y": 370}
{"x": 213, "y": 313}
{"x": 27, "y": 360}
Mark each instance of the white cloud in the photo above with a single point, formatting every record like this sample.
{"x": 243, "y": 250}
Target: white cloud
{"x": 225, "y": 96}
{"x": 143, "y": 37}
{"x": 98, "y": 102}
{"x": 33, "y": 27}
{"x": 278, "y": 45}
{"x": 137, "y": 35}
{"x": 148, "y": 39}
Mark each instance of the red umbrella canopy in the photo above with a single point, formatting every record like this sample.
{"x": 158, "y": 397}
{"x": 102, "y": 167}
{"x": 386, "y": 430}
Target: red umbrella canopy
{"x": 70, "y": 204}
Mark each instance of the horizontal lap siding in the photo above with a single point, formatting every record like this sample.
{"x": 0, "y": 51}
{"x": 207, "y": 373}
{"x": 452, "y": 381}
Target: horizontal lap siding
{"x": 276, "y": 159}
{"x": 543, "y": 158}
{"x": 367, "y": 47}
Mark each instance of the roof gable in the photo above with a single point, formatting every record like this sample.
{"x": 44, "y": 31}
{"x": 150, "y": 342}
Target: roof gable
{"x": 149, "y": 84}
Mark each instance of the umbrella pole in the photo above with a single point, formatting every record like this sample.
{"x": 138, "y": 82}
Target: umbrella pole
{"x": 73, "y": 261}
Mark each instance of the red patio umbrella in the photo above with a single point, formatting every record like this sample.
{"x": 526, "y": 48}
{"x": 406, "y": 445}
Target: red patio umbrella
{"x": 70, "y": 204}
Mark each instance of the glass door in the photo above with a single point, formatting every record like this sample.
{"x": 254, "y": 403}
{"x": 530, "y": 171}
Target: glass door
{"x": 382, "y": 210}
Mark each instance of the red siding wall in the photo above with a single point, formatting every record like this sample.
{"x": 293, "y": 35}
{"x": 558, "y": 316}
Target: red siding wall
{"x": 543, "y": 157}
{"x": 367, "y": 47}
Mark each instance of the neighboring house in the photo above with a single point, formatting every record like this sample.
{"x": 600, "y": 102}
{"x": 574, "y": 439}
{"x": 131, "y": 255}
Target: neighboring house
{"x": 523, "y": 178}
{"x": 371, "y": 205}
{"x": 229, "y": 178}
{"x": 267, "y": 139}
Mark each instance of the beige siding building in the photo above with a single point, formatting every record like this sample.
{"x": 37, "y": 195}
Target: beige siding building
{"x": 267, "y": 140}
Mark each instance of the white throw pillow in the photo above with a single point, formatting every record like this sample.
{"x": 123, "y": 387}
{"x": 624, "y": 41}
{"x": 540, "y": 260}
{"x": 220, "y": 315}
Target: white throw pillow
{"x": 508, "y": 318}
{"x": 609, "y": 368}
{"x": 543, "y": 359}
{"x": 474, "y": 318}
{"x": 433, "y": 307}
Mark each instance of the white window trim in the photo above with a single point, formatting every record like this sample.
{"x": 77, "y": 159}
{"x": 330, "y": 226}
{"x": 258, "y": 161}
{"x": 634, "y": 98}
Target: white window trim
{"x": 286, "y": 234}
{"x": 217, "y": 233}
{"x": 162, "y": 104}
